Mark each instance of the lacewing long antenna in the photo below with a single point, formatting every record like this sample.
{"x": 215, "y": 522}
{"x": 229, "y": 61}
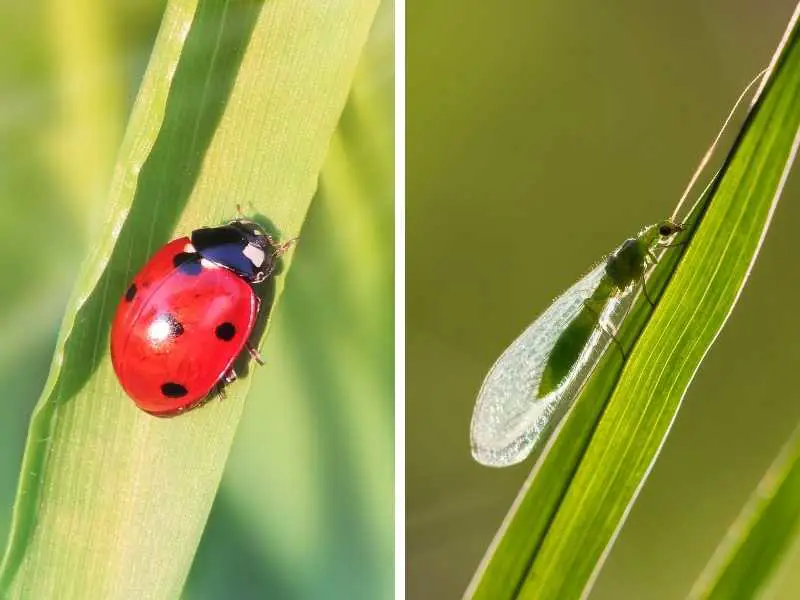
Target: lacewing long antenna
{"x": 713, "y": 146}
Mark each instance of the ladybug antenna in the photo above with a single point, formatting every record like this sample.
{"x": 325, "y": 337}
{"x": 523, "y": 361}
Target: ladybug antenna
{"x": 240, "y": 212}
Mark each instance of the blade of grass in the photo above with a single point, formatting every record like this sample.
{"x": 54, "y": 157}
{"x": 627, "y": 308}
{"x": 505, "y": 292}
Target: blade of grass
{"x": 758, "y": 540}
{"x": 565, "y": 518}
{"x": 237, "y": 106}
{"x": 327, "y": 396}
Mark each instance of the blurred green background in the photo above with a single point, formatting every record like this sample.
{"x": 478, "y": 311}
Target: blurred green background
{"x": 539, "y": 136}
{"x": 306, "y": 505}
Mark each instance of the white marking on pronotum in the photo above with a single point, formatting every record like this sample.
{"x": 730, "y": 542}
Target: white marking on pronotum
{"x": 189, "y": 248}
{"x": 254, "y": 254}
{"x": 207, "y": 264}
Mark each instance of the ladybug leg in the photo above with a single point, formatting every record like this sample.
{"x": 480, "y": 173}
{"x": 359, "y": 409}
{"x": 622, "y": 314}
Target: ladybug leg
{"x": 254, "y": 354}
{"x": 265, "y": 275}
{"x": 278, "y": 249}
{"x": 282, "y": 248}
{"x": 228, "y": 378}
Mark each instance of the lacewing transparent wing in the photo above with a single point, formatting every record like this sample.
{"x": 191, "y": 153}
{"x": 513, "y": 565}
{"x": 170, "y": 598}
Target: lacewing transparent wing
{"x": 509, "y": 420}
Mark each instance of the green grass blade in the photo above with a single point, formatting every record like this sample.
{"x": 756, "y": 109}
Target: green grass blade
{"x": 237, "y": 106}
{"x": 326, "y": 399}
{"x": 564, "y": 520}
{"x": 758, "y": 540}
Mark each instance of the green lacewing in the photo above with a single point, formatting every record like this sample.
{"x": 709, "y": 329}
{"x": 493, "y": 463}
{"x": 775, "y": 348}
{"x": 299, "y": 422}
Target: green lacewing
{"x": 539, "y": 375}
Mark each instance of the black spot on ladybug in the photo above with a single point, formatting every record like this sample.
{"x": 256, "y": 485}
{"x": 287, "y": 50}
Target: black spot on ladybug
{"x": 175, "y": 327}
{"x": 225, "y": 331}
{"x": 188, "y": 263}
{"x": 173, "y": 390}
{"x": 182, "y": 257}
{"x": 129, "y": 295}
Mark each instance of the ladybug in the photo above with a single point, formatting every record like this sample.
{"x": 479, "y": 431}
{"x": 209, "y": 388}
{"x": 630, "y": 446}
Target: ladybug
{"x": 188, "y": 314}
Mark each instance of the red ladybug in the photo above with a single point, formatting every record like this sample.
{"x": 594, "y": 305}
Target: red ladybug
{"x": 188, "y": 315}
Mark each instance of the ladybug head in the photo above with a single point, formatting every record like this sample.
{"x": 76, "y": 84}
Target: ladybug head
{"x": 241, "y": 246}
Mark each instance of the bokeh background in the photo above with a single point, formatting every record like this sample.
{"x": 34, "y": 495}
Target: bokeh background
{"x": 539, "y": 136}
{"x": 320, "y": 524}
